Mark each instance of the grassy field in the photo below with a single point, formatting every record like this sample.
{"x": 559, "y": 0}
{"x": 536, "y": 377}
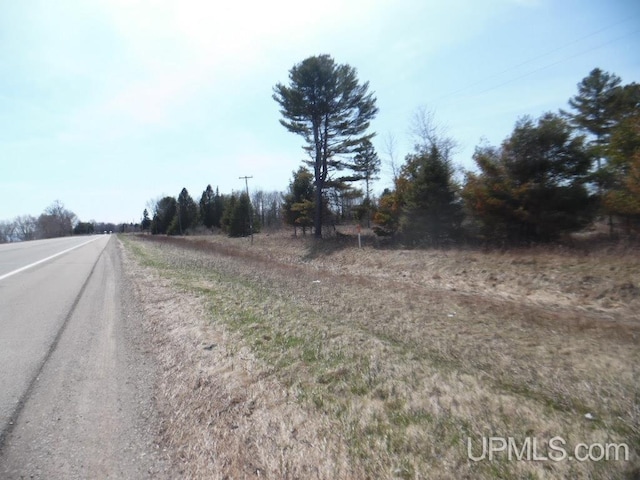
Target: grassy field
{"x": 288, "y": 358}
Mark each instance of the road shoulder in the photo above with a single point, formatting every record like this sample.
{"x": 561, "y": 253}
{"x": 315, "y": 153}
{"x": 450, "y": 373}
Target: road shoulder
{"x": 92, "y": 411}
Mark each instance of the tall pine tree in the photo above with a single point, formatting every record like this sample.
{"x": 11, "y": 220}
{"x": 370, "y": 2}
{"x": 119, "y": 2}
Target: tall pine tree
{"x": 331, "y": 110}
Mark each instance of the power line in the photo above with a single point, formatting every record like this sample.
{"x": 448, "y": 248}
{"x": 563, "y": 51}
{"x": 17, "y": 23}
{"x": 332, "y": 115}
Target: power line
{"x": 537, "y": 57}
{"x": 567, "y": 44}
{"x": 558, "y": 62}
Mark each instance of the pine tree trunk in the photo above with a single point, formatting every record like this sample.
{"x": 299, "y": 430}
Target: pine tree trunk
{"x": 317, "y": 220}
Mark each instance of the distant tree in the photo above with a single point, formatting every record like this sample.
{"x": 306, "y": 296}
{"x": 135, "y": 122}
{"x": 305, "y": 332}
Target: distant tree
{"x": 366, "y": 166}
{"x": 345, "y": 200}
{"x": 236, "y": 215}
{"x": 532, "y": 188}
{"x": 128, "y": 227}
{"x": 186, "y": 214}
{"x": 218, "y": 208}
{"x": 272, "y": 208}
{"x": 266, "y": 208}
{"x": 389, "y": 146}
{"x": 145, "y": 225}
{"x": 331, "y": 110}
{"x": 229, "y": 208}
{"x": 257, "y": 201}
{"x": 55, "y": 221}
{"x": 25, "y": 227}
{"x": 165, "y": 211}
{"x": 298, "y": 204}
{"x": 7, "y": 231}
{"x": 207, "y": 208}
{"x": 83, "y": 228}
{"x": 105, "y": 227}
{"x": 427, "y": 134}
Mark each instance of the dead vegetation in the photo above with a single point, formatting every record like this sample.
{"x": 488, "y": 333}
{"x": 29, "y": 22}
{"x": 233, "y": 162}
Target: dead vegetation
{"x": 292, "y": 359}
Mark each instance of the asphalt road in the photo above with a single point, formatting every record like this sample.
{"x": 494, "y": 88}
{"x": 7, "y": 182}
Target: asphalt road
{"x": 76, "y": 386}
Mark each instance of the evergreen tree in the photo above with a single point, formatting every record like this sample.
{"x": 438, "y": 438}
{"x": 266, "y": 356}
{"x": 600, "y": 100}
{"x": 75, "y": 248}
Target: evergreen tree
{"x": 229, "y": 208}
{"x": 623, "y": 172}
{"x": 165, "y": 211}
{"x": 218, "y": 209}
{"x": 601, "y": 103}
{"x": 298, "y": 203}
{"x": 331, "y": 110}
{"x": 432, "y": 211}
{"x": 366, "y": 165}
{"x": 532, "y": 188}
{"x": 186, "y": 214}
{"x": 595, "y": 105}
{"x": 386, "y": 218}
{"x": 236, "y": 216}
{"x": 146, "y": 221}
{"x": 207, "y": 208}
{"x": 424, "y": 204}
{"x": 83, "y": 228}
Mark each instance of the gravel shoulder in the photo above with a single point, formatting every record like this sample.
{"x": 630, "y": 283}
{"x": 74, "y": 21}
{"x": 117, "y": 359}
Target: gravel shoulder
{"x": 92, "y": 413}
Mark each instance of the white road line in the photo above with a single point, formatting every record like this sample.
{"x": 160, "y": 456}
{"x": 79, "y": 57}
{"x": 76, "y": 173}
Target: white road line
{"x": 22, "y": 269}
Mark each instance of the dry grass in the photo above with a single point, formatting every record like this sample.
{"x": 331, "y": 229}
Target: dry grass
{"x": 334, "y": 362}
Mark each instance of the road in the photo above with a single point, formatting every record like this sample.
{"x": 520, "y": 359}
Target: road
{"x": 76, "y": 383}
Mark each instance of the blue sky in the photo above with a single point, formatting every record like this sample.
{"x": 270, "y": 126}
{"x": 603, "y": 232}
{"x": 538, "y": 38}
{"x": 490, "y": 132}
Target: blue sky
{"x": 106, "y": 104}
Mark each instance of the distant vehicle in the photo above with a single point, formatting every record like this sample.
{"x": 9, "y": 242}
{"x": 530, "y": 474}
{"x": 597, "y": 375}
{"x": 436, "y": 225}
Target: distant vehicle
{"x": 105, "y": 232}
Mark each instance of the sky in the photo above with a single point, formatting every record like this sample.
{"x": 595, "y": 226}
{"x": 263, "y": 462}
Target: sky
{"x": 106, "y": 105}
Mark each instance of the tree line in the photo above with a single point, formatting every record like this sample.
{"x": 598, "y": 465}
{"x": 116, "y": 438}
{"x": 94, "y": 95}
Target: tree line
{"x": 552, "y": 175}
{"x": 235, "y": 213}
{"x": 55, "y": 221}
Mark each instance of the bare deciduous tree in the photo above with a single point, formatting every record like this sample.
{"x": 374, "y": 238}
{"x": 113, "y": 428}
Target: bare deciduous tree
{"x": 390, "y": 148}
{"x": 267, "y": 206}
{"x": 426, "y": 134}
{"x": 7, "y": 229}
{"x": 25, "y": 227}
{"x": 55, "y": 221}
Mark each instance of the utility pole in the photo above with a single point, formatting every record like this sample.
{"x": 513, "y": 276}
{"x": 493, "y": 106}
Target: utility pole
{"x": 246, "y": 183}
